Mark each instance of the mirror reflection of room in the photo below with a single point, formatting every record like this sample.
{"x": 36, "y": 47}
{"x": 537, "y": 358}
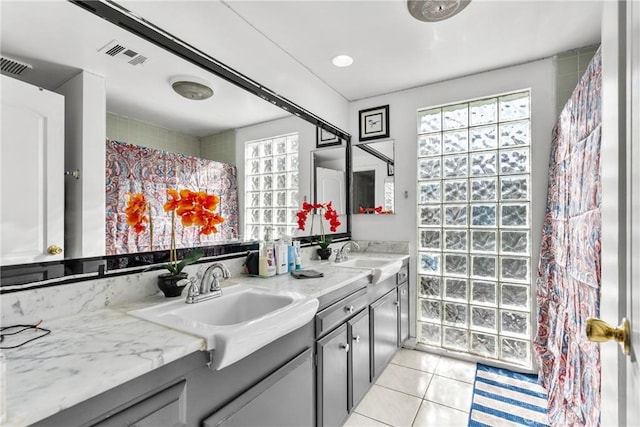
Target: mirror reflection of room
{"x": 168, "y": 124}
{"x": 329, "y": 177}
{"x": 373, "y": 178}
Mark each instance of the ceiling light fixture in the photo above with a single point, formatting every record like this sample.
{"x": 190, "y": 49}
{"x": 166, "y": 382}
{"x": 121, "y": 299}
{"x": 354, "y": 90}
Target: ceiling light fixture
{"x": 342, "y": 61}
{"x": 191, "y": 89}
{"x": 435, "y": 10}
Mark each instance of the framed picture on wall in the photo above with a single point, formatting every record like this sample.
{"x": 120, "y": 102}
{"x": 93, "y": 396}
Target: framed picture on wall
{"x": 325, "y": 138}
{"x": 374, "y": 123}
{"x": 390, "y": 169}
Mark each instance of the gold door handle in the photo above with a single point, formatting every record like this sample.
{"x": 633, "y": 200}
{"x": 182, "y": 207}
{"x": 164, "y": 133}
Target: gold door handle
{"x": 600, "y": 331}
{"x": 54, "y": 250}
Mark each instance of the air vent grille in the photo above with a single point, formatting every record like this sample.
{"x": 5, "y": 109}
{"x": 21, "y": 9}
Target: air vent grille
{"x": 138, "y": 60}
{"x": 117, "y": 50}
{"x": 11, "y": 66}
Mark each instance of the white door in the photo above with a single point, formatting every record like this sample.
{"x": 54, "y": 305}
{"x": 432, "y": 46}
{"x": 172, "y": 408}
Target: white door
{"x": 330, "y": 188}
{"x": 621, "y": 208}
{"x": 32, "y": 173}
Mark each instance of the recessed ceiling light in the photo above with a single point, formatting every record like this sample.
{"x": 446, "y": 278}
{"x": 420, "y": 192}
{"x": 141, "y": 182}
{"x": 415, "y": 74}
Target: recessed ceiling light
{"x": 342, "y": 61}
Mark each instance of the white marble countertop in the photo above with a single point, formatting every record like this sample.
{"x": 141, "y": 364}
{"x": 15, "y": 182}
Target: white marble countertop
{"x": 89, "y": 353}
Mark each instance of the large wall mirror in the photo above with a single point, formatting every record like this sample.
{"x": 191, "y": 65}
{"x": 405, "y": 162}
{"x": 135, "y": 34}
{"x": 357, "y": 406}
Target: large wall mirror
{"x": 59, "y": 41}
{"x": 373, "y": 173}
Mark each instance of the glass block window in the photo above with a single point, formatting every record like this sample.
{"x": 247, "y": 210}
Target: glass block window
{"x": 474, "y": 237}
{"x": 271, "y": 186}
{"x": 389, "y": 195}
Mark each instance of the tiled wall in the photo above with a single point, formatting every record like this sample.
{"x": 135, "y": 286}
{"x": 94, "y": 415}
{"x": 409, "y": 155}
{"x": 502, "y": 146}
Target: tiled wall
{"x": 571, "y": 66}
{"x": 220, "y": 147}
{"x": 136, "y": 132}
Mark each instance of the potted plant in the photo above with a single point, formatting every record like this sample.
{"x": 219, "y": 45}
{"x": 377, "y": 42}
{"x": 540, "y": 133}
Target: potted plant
{"x": 330, "y": 214}
{"x": 194, "y": 209}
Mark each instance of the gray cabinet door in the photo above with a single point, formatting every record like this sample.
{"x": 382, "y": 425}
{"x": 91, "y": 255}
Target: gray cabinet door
{"x": 165, "y": 408}
{"x": 384, "y": 331}
{"x": 332, "y": 351}
{"x": 284, "y": 398}
{"x": 403, "y": 320}
{"x": 359, "y": 357}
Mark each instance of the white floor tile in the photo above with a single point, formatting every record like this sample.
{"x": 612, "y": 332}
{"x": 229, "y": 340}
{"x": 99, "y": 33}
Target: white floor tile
{"x": 449, "y": 392}
{"x": 357, "y": 420}
{"x": 416, "y": 359}
{"x": 389, "y": 406}
{"x": 456, "y": 369}
{"x": 433, "y": 414}
{"x": 406, "y": 380}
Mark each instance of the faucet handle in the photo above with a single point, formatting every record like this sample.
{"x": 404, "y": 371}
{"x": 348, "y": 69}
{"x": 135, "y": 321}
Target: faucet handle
{"x": 192, "y": 291}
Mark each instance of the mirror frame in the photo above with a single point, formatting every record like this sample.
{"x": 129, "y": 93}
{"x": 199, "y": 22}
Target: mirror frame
{"x": 13, "y": 277}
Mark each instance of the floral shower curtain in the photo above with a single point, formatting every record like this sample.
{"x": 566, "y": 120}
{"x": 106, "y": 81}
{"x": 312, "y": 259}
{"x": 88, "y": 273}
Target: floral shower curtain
{"x": 568, "y": 282}
{"x": 132, "y": 169}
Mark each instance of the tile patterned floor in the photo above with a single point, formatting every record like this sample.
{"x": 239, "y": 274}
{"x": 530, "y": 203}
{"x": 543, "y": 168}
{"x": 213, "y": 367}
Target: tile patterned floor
{"x": 418, "y": 389}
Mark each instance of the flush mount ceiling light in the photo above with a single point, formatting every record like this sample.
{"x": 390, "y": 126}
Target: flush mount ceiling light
{"x": 191, "y": 89}
{"x": 435, "y": 10}
{"x": 342, "y": 61}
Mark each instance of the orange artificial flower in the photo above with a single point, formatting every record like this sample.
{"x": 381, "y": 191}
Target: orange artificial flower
{"x": 136, "y": 210}
{"x": 172, "y": 202}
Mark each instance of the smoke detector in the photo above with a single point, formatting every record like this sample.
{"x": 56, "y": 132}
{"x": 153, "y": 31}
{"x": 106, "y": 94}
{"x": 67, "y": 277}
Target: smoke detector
{"x": 435, "y": 10}
{"x": 123, "y": 53}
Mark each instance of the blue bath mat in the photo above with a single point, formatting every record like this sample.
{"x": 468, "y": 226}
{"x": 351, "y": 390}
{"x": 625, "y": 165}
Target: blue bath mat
{"x": 506, "y": 398}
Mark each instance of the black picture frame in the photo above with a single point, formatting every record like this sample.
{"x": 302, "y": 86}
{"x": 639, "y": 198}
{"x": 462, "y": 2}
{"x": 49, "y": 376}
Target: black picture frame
{"x": 326, "y": 138}
{"x": 390, "y": 169}
{"x": 373, "y": 123}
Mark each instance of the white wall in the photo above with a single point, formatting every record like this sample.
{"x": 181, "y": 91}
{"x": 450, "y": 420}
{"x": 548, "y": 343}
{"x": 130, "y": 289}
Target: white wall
{"x": 85, "y": 129}
{"x": 540, "y": 76}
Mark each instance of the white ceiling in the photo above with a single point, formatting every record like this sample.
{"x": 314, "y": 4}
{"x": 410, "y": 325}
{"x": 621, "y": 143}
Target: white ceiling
{"x": 288, "y": 46}
{"x": 391, "y": 49}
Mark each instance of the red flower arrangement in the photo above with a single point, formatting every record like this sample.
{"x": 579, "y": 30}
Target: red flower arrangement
{"x": 330, "y": 215}
{"x": 193, "y": 207}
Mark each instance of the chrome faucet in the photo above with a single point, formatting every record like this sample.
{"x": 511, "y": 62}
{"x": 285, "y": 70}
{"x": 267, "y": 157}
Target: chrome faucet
{"x": 209, "y": 286}
{"x": 343, "y": 252}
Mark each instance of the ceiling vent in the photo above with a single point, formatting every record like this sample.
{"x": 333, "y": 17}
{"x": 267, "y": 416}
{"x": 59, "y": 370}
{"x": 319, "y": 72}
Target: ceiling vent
{"x": 11, "y": 66}
{"x": 117, "y": 50}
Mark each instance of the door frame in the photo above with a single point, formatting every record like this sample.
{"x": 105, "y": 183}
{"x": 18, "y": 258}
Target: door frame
{"x": 618, "y": 117}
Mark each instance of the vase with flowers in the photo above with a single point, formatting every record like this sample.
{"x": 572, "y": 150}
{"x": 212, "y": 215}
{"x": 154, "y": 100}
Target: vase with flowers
{"x": 195, "y": 208}
{"x": 330, "y": 214}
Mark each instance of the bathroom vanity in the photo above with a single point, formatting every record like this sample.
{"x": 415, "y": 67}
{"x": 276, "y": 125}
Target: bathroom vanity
{"x": 108, "y": 368}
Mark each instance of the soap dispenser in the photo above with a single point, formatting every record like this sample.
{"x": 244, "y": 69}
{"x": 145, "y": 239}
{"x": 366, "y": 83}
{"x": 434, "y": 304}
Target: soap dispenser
{"x": 267, "y": 256}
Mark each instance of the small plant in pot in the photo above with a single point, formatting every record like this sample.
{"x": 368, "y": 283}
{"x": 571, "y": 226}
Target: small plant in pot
{"x": 330, "y": 214}
{"x": 194, "y": 209}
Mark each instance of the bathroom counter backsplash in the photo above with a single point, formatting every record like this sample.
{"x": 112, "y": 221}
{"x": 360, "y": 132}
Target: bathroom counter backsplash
{"x": 54, "y": 302}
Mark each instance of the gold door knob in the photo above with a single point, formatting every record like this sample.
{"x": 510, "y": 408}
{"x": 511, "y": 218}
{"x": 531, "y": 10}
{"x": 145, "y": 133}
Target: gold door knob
{"x": 600, "y": 331}
{"x": 54, "y": 250}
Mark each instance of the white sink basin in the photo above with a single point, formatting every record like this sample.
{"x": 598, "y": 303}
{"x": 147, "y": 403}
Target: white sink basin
{"x": 236, "y": 324}
{"x": 381, "y": 268}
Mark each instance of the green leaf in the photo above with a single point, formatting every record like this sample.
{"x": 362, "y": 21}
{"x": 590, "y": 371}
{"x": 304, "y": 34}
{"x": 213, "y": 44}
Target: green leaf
{"x": 189, "y": 259}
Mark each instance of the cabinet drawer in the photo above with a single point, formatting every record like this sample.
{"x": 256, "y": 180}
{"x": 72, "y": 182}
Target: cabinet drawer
{"x": 337, "y": 313}
{"x": 403, "y": 274}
